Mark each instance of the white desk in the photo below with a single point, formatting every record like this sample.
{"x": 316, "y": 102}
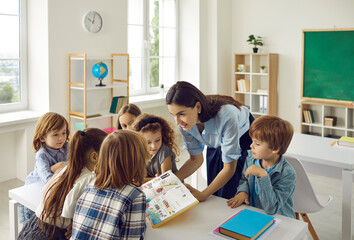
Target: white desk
{"x": 196, "y": 223}
{"x": 319, "y": 157}
{"x": 29, "y": 196}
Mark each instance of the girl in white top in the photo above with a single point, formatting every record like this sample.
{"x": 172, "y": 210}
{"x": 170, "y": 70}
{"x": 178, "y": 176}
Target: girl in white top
{"x": 62, "y": 191}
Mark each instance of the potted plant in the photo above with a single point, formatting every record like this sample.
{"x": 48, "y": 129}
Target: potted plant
{"x": 263, "y": 69}
{"x": 162, "y": 89}
{"x": 255, "y": 41}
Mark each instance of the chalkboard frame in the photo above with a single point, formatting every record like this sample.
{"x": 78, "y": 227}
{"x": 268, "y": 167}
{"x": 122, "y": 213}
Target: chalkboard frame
{"x": 304, "y": 81}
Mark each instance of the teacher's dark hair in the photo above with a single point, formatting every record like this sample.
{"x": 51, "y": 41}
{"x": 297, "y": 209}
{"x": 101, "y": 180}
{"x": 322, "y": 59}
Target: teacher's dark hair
{"x": 187, "y": 95}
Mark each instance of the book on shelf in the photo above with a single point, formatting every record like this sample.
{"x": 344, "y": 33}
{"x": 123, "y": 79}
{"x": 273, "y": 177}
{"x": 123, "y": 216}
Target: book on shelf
{"x": 166, "y": 197}
{"x": 109, "y": 129}
{"x": 243, "y": 85}
{"x": 265, "y": 104}
{"x": 346, "y": 141}
{"x": 246, "y": 225}
{"x": 261, "y": 104}
{"x": 240, "y": 86}
{"x": 308, "y": 116}
{"x": 118, "y": 103}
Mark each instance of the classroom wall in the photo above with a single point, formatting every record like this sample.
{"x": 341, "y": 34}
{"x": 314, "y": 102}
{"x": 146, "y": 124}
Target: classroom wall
{"x": 280, "y": 23}
{"x": 210, "y": 32}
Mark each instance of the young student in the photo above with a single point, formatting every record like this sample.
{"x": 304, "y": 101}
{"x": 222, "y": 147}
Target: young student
{"x": 113, "y": 206}
{"x": 218, "y": 122}
{"x": 268, "y": 180}
{"x": 50, "y": 142}
{"x": 126, "y": 116}
{"x": 64, "y": 188}
{"x": 160, "y": 139}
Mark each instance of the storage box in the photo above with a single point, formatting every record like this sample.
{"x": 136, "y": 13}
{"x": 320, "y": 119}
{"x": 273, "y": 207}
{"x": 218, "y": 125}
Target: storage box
{"x": 330, "y": 121}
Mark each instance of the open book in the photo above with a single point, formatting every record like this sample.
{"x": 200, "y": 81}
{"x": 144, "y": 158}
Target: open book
{"x": 166, "y": 197}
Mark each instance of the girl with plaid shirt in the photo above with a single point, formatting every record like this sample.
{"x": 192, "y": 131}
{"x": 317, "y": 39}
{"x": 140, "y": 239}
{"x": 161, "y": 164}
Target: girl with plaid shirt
{"x": 113, "y": 206}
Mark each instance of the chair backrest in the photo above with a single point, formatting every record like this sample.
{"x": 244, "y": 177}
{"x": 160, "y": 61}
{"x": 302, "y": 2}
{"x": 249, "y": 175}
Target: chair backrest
{"x": 305, "y": 200}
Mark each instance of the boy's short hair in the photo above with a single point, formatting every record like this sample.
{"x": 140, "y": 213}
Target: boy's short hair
{"x": 274, "y": 131}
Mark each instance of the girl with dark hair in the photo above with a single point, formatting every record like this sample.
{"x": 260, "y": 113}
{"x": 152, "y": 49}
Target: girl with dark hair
{"x": 160, "y": 139}
{"x": 219, "y": 122}
{"x": 54, "y": 215}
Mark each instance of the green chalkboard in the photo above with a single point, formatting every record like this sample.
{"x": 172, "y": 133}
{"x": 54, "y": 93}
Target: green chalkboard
{"x": 328, "y": 65}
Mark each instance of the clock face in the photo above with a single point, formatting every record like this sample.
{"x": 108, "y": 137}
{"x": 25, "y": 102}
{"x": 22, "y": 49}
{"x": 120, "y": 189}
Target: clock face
{"x": 93, "y": 22}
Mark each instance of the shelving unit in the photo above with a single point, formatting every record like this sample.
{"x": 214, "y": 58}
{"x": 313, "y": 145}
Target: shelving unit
{"x": 343, "y": 112}
{"x": 259, "y": 103}
{"x": 87, "y": 102}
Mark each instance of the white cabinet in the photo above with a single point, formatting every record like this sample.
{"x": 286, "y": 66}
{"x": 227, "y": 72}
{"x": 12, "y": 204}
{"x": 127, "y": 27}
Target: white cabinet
{"x": 255, "y": 88}
{"x": 88, "y": 104}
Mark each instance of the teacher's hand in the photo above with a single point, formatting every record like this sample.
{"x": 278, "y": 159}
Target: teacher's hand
{"x": 196, "y": 193}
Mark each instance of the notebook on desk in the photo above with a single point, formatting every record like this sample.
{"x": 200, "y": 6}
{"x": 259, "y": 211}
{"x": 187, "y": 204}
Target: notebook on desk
{"x": 246, "y": 224}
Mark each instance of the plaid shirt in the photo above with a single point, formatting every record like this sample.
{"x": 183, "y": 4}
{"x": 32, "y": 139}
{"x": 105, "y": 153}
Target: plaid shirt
{"x": 110, "y": 214}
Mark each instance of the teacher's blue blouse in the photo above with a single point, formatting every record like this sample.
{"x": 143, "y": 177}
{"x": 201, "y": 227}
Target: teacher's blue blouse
{"x": 224, "y": 130}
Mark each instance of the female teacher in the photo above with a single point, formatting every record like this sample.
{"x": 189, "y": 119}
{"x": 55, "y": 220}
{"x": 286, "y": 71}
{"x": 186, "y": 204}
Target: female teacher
{"x": 220, "y": 123}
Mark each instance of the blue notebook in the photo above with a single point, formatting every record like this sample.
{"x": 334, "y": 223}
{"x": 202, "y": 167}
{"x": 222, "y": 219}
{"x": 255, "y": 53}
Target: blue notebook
{"x": 246, "y": 225}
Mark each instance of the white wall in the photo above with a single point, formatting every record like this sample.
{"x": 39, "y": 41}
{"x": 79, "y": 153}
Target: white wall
{"x": 210, "y": 32}
{"x": 280, "y": 23}
{"x": 188, "y": 49}
{"x": 55, "y": 30}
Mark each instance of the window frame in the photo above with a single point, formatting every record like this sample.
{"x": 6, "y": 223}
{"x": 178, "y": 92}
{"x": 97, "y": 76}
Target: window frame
{"x": 145, "y": 48}
{"x": 23, "y": 100}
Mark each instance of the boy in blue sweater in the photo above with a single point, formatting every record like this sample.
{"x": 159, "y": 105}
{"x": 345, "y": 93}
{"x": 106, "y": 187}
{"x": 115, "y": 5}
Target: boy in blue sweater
{"x": 268, "y": 180}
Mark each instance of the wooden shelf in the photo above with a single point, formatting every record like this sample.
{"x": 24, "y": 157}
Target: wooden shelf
{"x": 258, "y": 102}
{"x": 343, "y": 112}
{"x": 80, "y": 82}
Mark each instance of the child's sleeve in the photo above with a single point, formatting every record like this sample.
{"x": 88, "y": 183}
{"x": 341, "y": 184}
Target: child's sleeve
{"x": 273, "y": 197}
{"x": 74, "y": 194}
{"x": 133, "y": 227}
{"x": 42, "y": 167}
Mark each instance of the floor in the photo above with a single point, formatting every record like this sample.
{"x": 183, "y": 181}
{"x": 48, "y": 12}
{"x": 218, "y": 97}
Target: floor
{"x": 327, "y": 222}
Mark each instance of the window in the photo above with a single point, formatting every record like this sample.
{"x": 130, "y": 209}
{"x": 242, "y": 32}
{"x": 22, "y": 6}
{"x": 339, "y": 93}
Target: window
{"x": 152, "y": 41}
{"x": 12, "y": 55}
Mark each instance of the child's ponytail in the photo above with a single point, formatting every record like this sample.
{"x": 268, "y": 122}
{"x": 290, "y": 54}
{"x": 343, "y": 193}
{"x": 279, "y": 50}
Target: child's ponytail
{"x": 81, "y": 143}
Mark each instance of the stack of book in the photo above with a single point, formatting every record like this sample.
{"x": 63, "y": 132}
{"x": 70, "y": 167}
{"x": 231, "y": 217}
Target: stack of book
{"x": 346, "y": 141}
{"x": 243, "y": 85}
{"x": 118, "y": 103}
{"x": 308, "y": 116}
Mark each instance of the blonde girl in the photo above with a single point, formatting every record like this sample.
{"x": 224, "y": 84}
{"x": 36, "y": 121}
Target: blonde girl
{"x": 62, "y": 191}
{"x": 160, "y": 139}
{"x": 50, "y": 142}
{"x": 126, "y": 116}
{"x": 113, "y": 207}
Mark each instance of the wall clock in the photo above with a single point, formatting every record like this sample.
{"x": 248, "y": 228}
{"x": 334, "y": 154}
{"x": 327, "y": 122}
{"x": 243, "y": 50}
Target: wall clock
{"x": 93, "y": 22}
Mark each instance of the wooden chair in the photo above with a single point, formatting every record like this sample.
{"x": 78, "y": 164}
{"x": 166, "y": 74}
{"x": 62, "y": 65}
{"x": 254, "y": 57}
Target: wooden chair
{"x": 305, "y": 198}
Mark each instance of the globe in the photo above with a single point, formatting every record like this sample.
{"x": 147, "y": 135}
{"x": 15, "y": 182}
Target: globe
{"x": 100, "y": 71}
